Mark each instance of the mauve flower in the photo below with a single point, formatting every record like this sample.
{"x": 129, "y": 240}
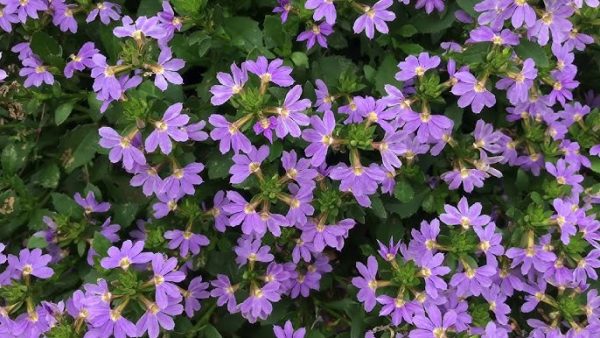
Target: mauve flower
{"x": 586, "y": 267}
{"x": 299, "y": 171}
{"x": 486, "y": 34}
{"x": 472, "y": 92}
{"x": 465, "y": 215}
{"x": 324, "y": 100}
{"x": 566, "y": 219}
{"x": 486, "y": 138}
{"x": 367, "y": 283}
{"x": 258, "y": 304}
{"x": 472, "y": 281}
{"x": 183, "y": 180}
{"x": 186, "y": 241}
{"x": 169, "y": 21}
{"x": 121, "y": 148}
{"x": 565, "y": 173}
{"x": 36, "y": 72}
{"x": 322, "y": 235}
{"x": 195, "y": 291}
{"x": 164, "y": 279}
{"x": 228, "y": 135}
{"x": 129, "y": 253}
{"x": 244, "y": 213}
{"x": 166, "y": 69}
{"x": 323, "y": 9}
{"x": 555, "y": 21}
{"x": 374, "y": 18}
{"x": 156, "y": 317}
{"x": 317, "y": 34}
{"x": 287, "y": 331}
{"x": 391, "y": 147}
{"x": 532, "y": 257}
{"x": 291, "y": 113}
{"x": 229, "y": 84}
{"x": 536, "y": 293}
{"x": 522, "y": 14}
{"x": 320, "y": 137}
{"x": 246, "y": 165}
{"x": 141, "y": 28}
{"x": 494, "y": 331}
{"x": 432, "y": 325}
{"x": 32, "y": 263}
{"x": 147, "y": 177}
{"x": 224, "y": 292}
{"x": 196, "y": 131}
{"x": 469, "y": 178}
{"x": 7, "y": 18}
{"x": 358, "y": 179}
{"x": 284, "y": 7}
{"x": 108, "y": 322}
{"x": 428, "y": 127}
{"x": 414, "y": 66}
{"x": 517, "y": 86}
{"x": 169, "y": 127}
{"x": 431, "y": 270}
{"x": 374, "y": 111}
{"x": 300, "y": 206}
{"x": 429, "y": 5}
{"x": 490, "y": 242}
{"x": 398, "y": 308}
{"x": 125, "y": 83}
{"x": 31, "y": 324}
{"x": 105, "y": 83}
{"x": 62, "y": 16}
{"x": 82, "y": 60}
{"x": 273, "y": 71}
{"x": 89, "y": 203}
{"x": 25, "y": 9}
{"x": 424, "y": 238}
{"x": 107, "y": 11}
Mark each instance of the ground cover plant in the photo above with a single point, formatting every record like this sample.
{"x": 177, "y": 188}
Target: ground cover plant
{"x": 292, "y": 168}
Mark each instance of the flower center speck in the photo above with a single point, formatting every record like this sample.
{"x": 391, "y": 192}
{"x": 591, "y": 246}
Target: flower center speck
{"x": 232, "y": 129}
{"x": 40, "y": 69}
{"x": 254, "y": 167}
{"x": 439, "y": 332}
{"x": 373, "y": 284}
{"x": 124, "y": 263}
{"x": 266, "y": 77}
{"x": 83, "y": 313}
{"x": 153, "y": 308}
{"x": 470, "y": 273}
{"x": 109, "y": 72}
{"x": 464, "y": 173}
{"x": 497, "y": 40}
{"x": 160, "y": 126}
{"x": 465, "y": 222}
{"x": 557, "y": 86}
{"x": 547, "y": 18}
{"x": 358, "y": 170}
{"x": 479, "y": 87}
{"x": 426, "y": 272}
{"x": 106, "y": 297}
{"x": 520, "y": 2}
{"x": 248, "y": 209}
{"x": 399, "y": 302}
{"x": 158, "y": 280}
{"x": 484, "y": 246}
{"x": 372, "y": 117}
{"x": 172, "y": 205}
{"x": 316, "y": 30}
{"x": 187, "y": 235}
{"x": 23, "y": 2}
{"x": 561, "y": 180}
{"x": 178, "y": 173}
{"x": 425, "y": 117}
{"x": 27, "y": 269}
{"x": 137, "y": 35}
{"x": 115, "y": 315}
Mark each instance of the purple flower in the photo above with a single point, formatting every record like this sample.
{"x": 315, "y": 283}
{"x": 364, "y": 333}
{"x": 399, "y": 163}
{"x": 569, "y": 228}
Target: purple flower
{"x": 296, "y": 170}
{"x": 522, "y": 14}
{"x": 82, "y": 60}
{"x": 322, "y": 235}
{"x": 244, "y": 213}
{"x": 291, "y": 113}
{"x": 587, "y": 266}
{"x": 412, "y": 66}
{"x": 431, "y": 270}
{"x": 258, "y": 304}
{"x": 31, "y": 263}
{"x": 428, "y": 127}
{"x": 156, "y": 317}
{"x": 228, "y": 135}
{"x": 224, "y": 292}
{"x": 230, "y": 84}
{"x": 374, "y": 111}
{"x": 323, "y": 9}
{"x": 284, "y": 7}
{"x": 183, "y": 180}
{"x": 464, "y": 215}
{"x": 494, "y": 331}
{"x": 62, "y": 16}
{"x": 374, "y": 18}
{"x": 490, "y": 242}
{"x": 389, "y": 252}
{"x": 424, "y": 239}
{"x": 398, "y": 308}
{"x": 432, "y": 325}
{"x": 287, "y": 331}
{"x": 7, "y": 18}
{"x": 429, "y": 5}
{"x": 300, "y": 206}
{"x": 554, "y": 21}
{"x": 129, "y": 253}
{"x": 358, "y": 179}
{"x": 25, "y": 9}
{"x": 536, "y": 295}
{"x": 488, "y": 139}
{"x": 121, "y": 148}
{"x": 486, "y": 34}
{"x": 166, "y": 69}
{"x": 170, "y": 22}
{"x": 367, "y": 283}
{"x": 469, "y": 178}
{"x": 564, "y": 173}
{"x": 105, "y": 83}
{"x": 246, "y": 165}
{"x": 107, "y": 11}
{"x": 324, "y": 100}
{"x": 534, "y": 256}
{"x": 266, "y": 126}
{"x": 106, "y": 322}
{"x": 320, "y": 137}
{"x": 221, "y": 220}
{"x": 390, "y": 147}
{"x": 186, "y": 241}
{"x": 566, "y": 219}
{"x": 195, "y": 291}
{"x": 143, "y": 27}
{"x": 497, "y": 301}
{"x": 31, "y": 324}
{"x": 165, "y": 277}
{"x": 169, "y": 127}
{"x": 518, "y": 85}
{"x": 147, "y": 177}
{"x": 125, "y": 84}
{"x": 472, "y": 92}
{"x": 90, "y": 204}
{"x": 317, "y": 34}
{"x": 36, "y": 73}
{"x": 273, "y": 71}
{"x": 473, "y": 280}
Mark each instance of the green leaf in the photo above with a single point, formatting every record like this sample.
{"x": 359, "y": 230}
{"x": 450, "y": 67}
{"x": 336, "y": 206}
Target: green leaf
{"x": 100, "y": 244}
{"x": 36, "y": 242}
{"x": 385, "y": 73}
{"x": 527, "y": 49}
{"x": 378, "y": 208}
{"x": 469, "y": 7}
{"x": 48, "y": 176}
{"x": 455, "y": 113}
{"x": 410, "y": 48}
{"x": 64, "y": 204}
{"x": 80, "y": 146}
{"x": 299, "y": 59}
{"x": 404, "y": 191}
{"x": 14, "y": 157}
{"x": 243, "y": 32}
{"x": 275, "y": 36}
{"x": 595, "y": 164}
{"x": 218, "y": 166}
{"x": 426, "y": 23}
{"x": 46, "y": 47}
{"x": 210, "y": 331}
{"x": 62, "y": 112}
{"x": 188, "y": 7}
{"x": 407, "y": 31}
{"x": 125, "y": 213}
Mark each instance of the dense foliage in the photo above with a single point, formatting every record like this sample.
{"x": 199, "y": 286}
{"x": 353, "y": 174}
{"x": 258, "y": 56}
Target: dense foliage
{"x": 292, "y": 168}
